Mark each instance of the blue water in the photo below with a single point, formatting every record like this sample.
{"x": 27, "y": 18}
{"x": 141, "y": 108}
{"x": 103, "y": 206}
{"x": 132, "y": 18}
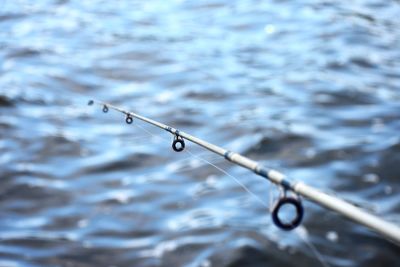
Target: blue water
{"x": 310, "y": 88}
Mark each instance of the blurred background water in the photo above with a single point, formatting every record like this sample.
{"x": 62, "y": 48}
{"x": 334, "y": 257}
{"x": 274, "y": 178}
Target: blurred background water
{"x": 310, "y": 88}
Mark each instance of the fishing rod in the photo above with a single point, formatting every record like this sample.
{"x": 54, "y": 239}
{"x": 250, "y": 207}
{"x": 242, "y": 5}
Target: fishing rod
{"x": 291, "y": 190}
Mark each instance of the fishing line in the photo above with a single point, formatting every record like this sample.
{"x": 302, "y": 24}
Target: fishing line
{"x": 268, "y": 206}
{"x": 216, "y": 167}
{"x": 313, "y": 249}
{"x": 303, "y": 236}
{"x": 150, "y": 133}
{"x": 189, "y": 165}
{"x": 233, "y": 177}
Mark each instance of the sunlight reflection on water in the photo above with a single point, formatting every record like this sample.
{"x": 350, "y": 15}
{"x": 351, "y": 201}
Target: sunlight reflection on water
{"x": 307, "y": 87}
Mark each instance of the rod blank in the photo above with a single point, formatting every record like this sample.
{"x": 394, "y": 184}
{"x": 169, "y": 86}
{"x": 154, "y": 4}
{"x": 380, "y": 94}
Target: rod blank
{"x": 387, "y": 229}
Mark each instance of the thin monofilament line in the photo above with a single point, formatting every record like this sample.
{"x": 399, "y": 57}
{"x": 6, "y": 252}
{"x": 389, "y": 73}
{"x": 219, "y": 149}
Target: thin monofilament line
{"x": 216, "y": 167}
{"x": 233, "y": 177}
{"x": 189, "y": 167}
{"x": 313, "y": 249}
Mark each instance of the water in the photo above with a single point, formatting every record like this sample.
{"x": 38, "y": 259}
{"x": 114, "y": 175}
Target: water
{"x": 310, "y": 88}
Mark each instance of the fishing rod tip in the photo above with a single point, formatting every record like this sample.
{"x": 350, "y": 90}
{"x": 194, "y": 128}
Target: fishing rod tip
{"x": 91, "y": 102}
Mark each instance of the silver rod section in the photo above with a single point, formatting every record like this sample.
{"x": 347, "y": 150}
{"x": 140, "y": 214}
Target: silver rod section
{"x": 385, "y": 228}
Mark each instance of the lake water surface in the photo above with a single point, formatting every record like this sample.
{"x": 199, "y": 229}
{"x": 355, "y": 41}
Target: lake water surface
{"x": 310, "y": 88}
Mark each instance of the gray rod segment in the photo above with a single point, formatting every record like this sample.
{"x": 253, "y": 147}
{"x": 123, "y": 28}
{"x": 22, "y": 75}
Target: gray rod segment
{"x": 386, "y": 229}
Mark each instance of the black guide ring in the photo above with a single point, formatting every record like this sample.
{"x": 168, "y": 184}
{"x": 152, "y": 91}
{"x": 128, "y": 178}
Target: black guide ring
{"x": 299, "y": 213}
{"x": 105, "y": 109}
{"x": 178, "y": 139}
{"x": 129, "y": 119}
